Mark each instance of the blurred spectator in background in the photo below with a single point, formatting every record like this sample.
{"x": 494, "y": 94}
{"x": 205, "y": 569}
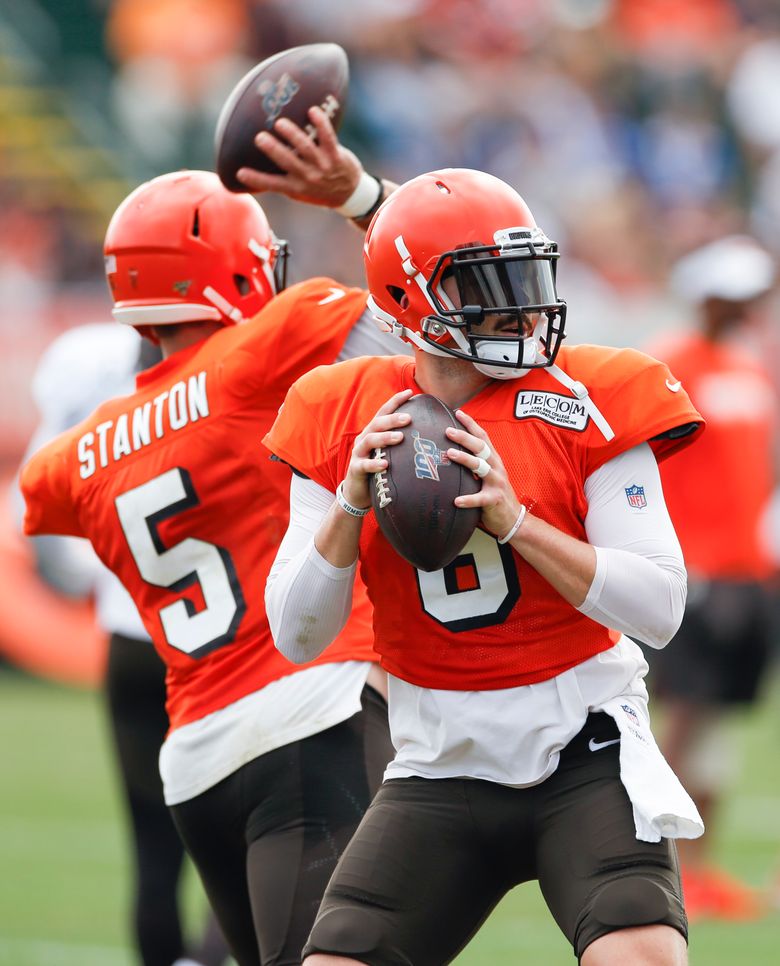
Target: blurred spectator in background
{"x": 657, "y": 121}
{"x": 81, "y": 369}
{"x": 717, "y": 499}
{"x": 177, "y": 61}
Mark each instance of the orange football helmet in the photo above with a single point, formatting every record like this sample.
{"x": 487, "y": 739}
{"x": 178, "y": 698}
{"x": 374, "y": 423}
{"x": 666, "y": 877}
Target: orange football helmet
{"x": 182, "y": 248}
{"x": 454, "y": 248}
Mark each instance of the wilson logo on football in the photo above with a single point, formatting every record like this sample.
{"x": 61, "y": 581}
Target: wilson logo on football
{"x": 330, "y": 106}
{"x": 427, "y": 458}
{"x": 276, "y": 95}
{"x": 380, "y": 483}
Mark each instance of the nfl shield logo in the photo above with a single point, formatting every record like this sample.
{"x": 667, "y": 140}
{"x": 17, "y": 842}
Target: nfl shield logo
{"x": 630, "y": 712}
{"x": 636, "y": 496}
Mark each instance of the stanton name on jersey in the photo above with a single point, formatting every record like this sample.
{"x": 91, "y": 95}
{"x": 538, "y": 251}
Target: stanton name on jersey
{"x": 173, "y": 409}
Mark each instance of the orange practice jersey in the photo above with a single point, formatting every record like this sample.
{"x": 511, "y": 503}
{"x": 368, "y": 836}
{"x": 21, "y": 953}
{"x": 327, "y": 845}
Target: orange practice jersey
{"x": 179, "y": 498}
{"x": 488, "y": 620}
{"x": 717, "y": 492}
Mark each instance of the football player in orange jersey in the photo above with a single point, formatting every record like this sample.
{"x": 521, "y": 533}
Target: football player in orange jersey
{"x": 717, "y": 660}
{"x": 267, "y": 767}
{"x": 79, "y": 370}
{"x": 517, "y": 703}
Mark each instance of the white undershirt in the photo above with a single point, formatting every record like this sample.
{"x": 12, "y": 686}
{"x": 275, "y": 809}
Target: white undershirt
{"x": 512, "y": 736}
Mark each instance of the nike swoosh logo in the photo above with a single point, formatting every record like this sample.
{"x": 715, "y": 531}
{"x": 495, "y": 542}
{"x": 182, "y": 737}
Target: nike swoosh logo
{"x": 673, "y": 386}
{"x": 335, "y": 295}
{"x": 598, "y": 745}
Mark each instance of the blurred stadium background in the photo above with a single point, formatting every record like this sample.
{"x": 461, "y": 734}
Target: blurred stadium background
{"x": 636, "y": 129}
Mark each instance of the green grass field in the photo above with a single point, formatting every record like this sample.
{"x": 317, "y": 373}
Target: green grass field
{"x": 63, "y": 851}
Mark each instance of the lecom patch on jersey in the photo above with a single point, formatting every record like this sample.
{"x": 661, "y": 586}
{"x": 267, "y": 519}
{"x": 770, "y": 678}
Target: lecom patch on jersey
{"x": 552, "y": 407}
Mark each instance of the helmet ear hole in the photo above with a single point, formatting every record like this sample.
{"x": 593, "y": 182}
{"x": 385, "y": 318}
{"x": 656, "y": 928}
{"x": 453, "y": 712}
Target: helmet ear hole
{"x": 196, "y": 224}
{"x": 398, "y": 295}
{"x": 242, "y": 284}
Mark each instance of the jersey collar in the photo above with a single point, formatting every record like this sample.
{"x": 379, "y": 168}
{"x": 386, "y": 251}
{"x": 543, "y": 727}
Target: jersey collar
{"x": 163, "y": 369}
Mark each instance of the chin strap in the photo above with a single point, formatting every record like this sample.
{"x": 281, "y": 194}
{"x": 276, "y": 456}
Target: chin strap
{"x": 388, "y": 323}
{"x": 581, "y": 392}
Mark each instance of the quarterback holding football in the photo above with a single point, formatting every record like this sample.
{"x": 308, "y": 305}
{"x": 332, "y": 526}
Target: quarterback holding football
{"x": 518, "y": 709}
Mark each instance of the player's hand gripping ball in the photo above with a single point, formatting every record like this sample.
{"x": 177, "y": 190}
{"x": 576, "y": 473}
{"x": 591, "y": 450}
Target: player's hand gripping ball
{"x": 413, "y": 497}
{"x": 284, "y": 85}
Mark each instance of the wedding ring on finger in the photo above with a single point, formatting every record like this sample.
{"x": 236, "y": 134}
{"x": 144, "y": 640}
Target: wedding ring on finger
{"x": 485, "y": 453}
{"x": 482, "y": 468}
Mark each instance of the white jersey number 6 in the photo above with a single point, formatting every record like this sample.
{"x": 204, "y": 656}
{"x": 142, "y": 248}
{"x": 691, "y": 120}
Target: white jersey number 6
{"x": 479, "y": 588}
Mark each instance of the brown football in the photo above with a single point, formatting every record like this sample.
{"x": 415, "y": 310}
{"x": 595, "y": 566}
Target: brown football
{"x": 413, "y": 498}
{"x": 286, "y": 84}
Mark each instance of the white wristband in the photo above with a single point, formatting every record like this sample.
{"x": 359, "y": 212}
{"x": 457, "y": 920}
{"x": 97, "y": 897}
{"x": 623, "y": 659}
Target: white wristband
{"x": 516, "y": 526}
{"x": 354, "y": 511}
{"x": 363, "y": 198}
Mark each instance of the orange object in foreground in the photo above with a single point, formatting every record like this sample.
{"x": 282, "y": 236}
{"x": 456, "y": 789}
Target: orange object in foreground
{"x": 42, "y": 631}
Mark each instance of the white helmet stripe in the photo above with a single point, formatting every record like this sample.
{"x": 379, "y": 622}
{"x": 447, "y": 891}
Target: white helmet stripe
{"x": 422, "y": 283}
{"x": 412, "y": 271}
{"x": 264, "y": 256}
{"x": 222, "y": 304}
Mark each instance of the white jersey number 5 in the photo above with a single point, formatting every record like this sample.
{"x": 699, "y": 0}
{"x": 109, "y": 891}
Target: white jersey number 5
{"x": 176, "y": 568}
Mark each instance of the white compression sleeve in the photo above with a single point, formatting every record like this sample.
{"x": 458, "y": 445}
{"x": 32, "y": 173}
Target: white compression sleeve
{"x": 640, "y": 583}
{"x": 307, "y": 599}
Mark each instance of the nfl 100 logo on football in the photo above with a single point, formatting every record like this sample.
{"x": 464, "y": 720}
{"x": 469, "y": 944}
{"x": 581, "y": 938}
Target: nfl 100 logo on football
{"x": 636, "y": 497}
{"x": 427, "y": 458}
{"x": 277, "y": 95}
